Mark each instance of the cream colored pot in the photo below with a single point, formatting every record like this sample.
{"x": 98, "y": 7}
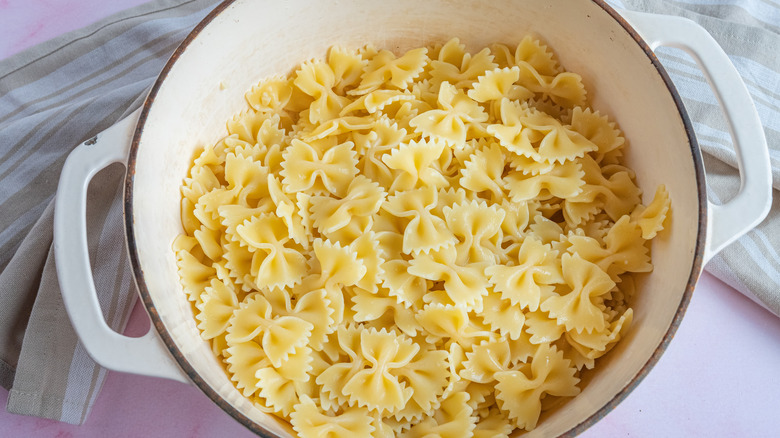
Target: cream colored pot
{"x": 243, "y": 41}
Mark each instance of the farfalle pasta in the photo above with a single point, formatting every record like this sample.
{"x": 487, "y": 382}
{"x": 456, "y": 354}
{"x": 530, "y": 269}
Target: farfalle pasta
{"x": 431, "y": 243}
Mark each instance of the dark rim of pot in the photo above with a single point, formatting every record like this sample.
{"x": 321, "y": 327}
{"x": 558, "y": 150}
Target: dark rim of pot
{"x": 261, "y": 431}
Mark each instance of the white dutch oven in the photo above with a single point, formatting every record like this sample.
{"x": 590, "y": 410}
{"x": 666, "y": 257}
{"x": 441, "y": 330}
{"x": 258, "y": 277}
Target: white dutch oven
{"x": 241, "y": 42}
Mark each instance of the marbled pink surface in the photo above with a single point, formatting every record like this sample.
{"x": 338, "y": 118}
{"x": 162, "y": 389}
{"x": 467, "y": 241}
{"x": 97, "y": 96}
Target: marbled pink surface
{"x": 718, "y": 378}
{"x": 24, "y": 23}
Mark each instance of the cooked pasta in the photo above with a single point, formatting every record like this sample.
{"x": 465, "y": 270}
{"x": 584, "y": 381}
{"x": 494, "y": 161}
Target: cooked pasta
{"x": 432, "y": 244}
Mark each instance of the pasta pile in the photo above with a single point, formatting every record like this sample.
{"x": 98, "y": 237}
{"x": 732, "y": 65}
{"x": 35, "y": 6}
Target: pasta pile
{"x": 432, "y": 244}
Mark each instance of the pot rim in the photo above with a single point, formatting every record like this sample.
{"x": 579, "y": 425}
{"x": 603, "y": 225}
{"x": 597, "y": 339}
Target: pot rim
{"x": 195, "y": 377}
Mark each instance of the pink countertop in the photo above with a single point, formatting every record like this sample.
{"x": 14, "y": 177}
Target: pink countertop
{"x": 720, "y": 377}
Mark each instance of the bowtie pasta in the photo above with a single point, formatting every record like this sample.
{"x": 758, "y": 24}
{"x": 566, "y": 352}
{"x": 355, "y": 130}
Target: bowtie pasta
{"x": 431, "y": 244}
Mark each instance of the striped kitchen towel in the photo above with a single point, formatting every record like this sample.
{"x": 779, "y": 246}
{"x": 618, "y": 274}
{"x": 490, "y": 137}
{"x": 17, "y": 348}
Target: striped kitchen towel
{"x": 56, "y": 95}
{"x": 52, "y": 98}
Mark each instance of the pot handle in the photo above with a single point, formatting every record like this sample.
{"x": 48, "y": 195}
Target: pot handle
{"x": 731, "y": 220}
{"x": 145, "y": 355}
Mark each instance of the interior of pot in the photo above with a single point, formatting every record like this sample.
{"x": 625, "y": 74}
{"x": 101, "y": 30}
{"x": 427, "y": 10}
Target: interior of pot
{"x": 250, "y": 40}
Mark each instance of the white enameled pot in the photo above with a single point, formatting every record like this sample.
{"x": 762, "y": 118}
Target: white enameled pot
{"x": 242, "y": 41}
